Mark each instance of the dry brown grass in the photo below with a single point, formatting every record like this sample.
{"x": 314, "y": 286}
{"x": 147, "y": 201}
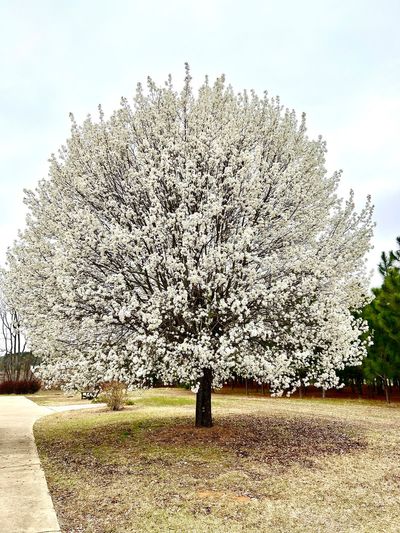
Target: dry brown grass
{"x": 267, "y": 465}
{"x": 56, "y": 397}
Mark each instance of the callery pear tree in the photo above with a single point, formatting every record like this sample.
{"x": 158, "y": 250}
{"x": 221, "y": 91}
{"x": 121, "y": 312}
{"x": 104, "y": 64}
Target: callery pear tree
{"x": 190, "y": 237}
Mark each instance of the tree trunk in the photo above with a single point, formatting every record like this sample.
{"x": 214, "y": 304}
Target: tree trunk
{"x": 323, "y": 393}
{"x": 387, "y": 391}
{"x": 203, "y": 400}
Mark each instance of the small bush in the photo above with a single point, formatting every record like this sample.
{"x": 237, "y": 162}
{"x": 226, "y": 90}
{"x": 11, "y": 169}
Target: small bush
{"x": 114, "y": 395}
{"x": 27, "y": 386}
{"x": 7, "y": 387}
{"x": 24, "y": 386}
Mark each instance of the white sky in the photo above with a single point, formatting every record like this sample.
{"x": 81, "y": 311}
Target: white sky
{"x": 339, "y": 61}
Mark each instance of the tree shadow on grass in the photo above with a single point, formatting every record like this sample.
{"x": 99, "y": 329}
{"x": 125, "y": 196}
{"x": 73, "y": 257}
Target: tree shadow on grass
{"x": 272, "y": 440}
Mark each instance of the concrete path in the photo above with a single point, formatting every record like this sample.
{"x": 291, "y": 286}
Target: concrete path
{"x": 25, "y": 502}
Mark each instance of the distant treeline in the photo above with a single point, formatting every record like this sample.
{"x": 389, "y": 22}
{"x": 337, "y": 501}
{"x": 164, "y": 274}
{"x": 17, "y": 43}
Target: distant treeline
{"x": 355, "y": 386}
{"x": 17, "y": 366}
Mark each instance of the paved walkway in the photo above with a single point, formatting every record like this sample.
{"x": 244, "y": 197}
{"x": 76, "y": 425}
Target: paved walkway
{"x": 25, "y": 502}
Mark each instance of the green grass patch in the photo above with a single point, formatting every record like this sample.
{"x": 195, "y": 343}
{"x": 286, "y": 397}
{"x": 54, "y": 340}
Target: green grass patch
{"x": 166, "y": 401}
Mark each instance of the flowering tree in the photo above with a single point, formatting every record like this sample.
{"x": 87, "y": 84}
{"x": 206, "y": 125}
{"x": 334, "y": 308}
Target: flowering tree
{"x": 189, "y": 238}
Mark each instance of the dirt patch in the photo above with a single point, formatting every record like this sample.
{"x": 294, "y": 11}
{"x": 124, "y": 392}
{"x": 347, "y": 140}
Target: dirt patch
{"x": 270, "y": 439}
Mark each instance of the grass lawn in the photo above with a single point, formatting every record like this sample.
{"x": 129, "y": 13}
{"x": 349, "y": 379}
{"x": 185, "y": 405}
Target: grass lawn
{"x": 273, "y": 465}
{"x": 56, "y": 397}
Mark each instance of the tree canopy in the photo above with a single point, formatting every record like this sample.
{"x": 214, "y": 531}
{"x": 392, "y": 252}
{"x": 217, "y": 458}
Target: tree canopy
{"x": 188, "y": 238}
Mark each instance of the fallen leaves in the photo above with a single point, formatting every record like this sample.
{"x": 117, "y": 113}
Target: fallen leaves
{"x": 281, "y": 440}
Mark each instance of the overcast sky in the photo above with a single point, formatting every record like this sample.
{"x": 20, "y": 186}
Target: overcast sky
{"x": 339, "y": 61}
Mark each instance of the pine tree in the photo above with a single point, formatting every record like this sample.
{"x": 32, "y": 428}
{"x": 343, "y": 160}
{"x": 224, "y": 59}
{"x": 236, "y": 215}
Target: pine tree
{"x": 383, "y": 316}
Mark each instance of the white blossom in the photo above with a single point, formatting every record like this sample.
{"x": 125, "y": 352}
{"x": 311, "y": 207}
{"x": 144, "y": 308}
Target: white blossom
{"x": 190, "y": 232}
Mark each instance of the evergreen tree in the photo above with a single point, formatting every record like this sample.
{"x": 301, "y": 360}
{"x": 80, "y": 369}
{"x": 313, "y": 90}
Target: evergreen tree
{"x": 383, "y": 316}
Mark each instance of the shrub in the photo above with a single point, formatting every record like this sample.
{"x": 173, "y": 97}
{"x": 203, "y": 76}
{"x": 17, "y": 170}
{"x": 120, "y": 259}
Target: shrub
{"x": 7, "y": 387}
{"x": 114, "y": 395}
{"x": 24, "y": 386}
{"x": 27, "y": 386}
